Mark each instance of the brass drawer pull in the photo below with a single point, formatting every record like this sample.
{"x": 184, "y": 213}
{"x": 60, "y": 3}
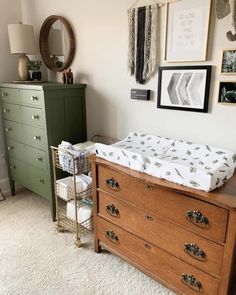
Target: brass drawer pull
{"x": 194, "y": 251}
{"x": 10, "y": 148}
{"x": 35, "y": 117}
{"x": 41, "y": 181}
{"x": 112, "y": 210}
{"x": 112, "y": 184}
{"x": 33, "y": 98}
{"x": 37, "y": 137}
{"x": 4, "y": 94}
{"x": 197, "y": 218}
{"x": 149, "y": 217}
{"x": 6, "y": 111}
{"x": 191, "y": 282}
{"x": 38, "y": 159}
{"x": 149, "y": 247}
{"x": 7, "y": 129}
{"x": 111, "y": 236}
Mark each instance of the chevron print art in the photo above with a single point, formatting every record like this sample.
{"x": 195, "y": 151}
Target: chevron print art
{"x": 185, "y": 88}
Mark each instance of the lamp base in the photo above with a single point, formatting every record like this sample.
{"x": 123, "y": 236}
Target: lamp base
{"x": 23, "y": 67}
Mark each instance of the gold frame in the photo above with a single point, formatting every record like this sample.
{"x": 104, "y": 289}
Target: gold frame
{"x": 205, "y": 41}
{"x": 222, "y": 55}
{"x": 224, "y": 103}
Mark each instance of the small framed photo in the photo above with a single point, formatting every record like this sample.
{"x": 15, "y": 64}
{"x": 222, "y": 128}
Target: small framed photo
{"x": 228, "y": 61}
{"x": 184, "y": 88}
{"x": 187, "y": 26}
{"x": 227, "y": 93}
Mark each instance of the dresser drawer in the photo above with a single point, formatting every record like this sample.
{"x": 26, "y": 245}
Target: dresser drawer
{"x": 194, "y": 249}
{"x": 198, "y": 216}
{"x": 25, "y": 134}
{"x": 162, "y": 265}
{"x": 20, "y": 96}
{"x": 23, "y": 114}
{"x": 25, "y": 153}
{"x": 34, "y": 179}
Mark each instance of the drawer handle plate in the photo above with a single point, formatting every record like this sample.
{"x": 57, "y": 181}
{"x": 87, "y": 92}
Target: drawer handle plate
{"x": 35, "y": 117}
{"x": 112, "y": 210}
{"x": 194, "y": 251}
{"x": 33, "y": 98}
{"x": 37, "y": 137}
{"x": 7, "y": 129}
{"x": 6, "y": 111}
{"x": 197, "y": 218}
{"x": 149, "y": 217}
{"x": 146, "y": 245}
{"x": 190, "y": 281}
{"x": 42, "y": 181}
{"x": 112, "y": 184}
{"x": 111, "y": 236}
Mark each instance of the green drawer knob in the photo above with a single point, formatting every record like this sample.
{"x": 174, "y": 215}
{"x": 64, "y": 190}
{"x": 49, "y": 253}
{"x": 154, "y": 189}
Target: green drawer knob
{"x": 6, "y": 110}
{"x": 10, "y": 148}
{"x": 33, "y": 98}
{"x": 35, "y": 117}
{"x": 7, "y": 129}
{"x": 41, "y": 181}
{"x": 37, "y": 137}
{"x": 39, "y": 160}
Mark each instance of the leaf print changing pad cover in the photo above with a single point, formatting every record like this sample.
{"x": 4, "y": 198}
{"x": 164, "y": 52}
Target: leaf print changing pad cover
{"x": 194, "y": 165}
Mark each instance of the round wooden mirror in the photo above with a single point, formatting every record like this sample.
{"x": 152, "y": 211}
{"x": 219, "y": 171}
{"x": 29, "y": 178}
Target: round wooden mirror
{"x": 57, "y": 43}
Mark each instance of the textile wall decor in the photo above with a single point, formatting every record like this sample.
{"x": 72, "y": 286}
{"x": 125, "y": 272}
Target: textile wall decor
{"x": 186, "y": 40}
{"x": 228, "y": 65}
{"x": 227, "y": 93}
{"x": 184, "y": 88}
{"x": 142, "y": 52}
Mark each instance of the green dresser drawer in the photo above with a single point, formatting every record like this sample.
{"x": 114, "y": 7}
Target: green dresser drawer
{"x": 40, "y": 181}
{"x": 34, "y": 179}
{"x": 25, "y": 134}
{"x": 23, "y": 114}
{"x": 28, "y": 154}
{"x": 22, "y": 96}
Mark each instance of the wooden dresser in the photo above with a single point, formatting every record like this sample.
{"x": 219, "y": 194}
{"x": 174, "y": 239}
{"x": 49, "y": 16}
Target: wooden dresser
{"x": 36, "y": 116}
{"x": 182, "y": 237}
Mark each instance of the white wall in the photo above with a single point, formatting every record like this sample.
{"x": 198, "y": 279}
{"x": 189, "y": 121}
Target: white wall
{"x": 100, "y": 61}
{"x": 8, "y": 66}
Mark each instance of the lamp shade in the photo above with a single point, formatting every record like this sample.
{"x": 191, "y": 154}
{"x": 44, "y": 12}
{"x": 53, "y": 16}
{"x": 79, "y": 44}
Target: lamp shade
{"x": 21, "y": 38}
{"x": 55, "y": 42}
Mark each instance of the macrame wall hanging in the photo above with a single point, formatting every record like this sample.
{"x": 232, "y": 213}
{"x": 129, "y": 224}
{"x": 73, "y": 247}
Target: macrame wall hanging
{"x": 142, "y": 56}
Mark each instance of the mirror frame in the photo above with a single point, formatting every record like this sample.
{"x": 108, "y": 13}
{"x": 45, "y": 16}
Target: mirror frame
{"x": 43, "y": 42}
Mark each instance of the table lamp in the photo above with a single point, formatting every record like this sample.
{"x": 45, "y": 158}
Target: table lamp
{"x": 55, "y": 45}
{"x": 22, "y": 41}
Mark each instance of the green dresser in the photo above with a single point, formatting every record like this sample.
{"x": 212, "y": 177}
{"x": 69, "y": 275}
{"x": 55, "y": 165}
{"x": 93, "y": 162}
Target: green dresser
{"x": 36, "y": 116}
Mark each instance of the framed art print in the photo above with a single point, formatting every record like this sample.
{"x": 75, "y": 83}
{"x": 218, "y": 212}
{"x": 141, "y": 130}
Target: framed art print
{"x": 227, "y": 93}
{"x": 184, "y": 88}
{"x": 228, "y": 65}
{"x": 187, "y": 26}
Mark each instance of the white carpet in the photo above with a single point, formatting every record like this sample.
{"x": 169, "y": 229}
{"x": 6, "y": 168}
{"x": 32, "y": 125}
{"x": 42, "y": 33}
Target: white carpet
{"x": 36, "y": 259}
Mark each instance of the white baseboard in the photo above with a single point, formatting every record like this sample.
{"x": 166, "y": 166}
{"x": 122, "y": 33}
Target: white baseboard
{"x": 4, "y": 185}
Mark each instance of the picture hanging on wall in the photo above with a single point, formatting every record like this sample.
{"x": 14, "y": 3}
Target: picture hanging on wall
{"x": 227, "y": 93}
{"x": 228, "y": 61}
{"x": 184, "y": 88}
{"x": 187, "y": 26}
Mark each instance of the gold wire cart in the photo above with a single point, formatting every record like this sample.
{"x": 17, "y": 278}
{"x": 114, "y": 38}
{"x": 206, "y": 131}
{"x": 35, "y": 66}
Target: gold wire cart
{"x": 79, "y": 199}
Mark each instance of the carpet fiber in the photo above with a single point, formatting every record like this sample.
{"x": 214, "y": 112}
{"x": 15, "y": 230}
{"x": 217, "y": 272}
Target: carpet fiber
{"x": 36, "y": 259}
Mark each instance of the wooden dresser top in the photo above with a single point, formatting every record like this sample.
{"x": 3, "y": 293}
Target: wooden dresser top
{"x": 224, "y": 196}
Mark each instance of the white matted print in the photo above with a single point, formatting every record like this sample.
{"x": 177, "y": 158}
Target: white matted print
{"x": 187, "y": 25}
{"x": 184, "y": 88}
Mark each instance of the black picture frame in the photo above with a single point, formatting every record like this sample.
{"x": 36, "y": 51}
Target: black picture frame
{"x": 227, "y": 92}
{"x": 184, "y": 88}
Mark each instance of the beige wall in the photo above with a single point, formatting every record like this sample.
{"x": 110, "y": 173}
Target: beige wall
{"x": 100, "y": 61}
{"x": 10, "y": 13}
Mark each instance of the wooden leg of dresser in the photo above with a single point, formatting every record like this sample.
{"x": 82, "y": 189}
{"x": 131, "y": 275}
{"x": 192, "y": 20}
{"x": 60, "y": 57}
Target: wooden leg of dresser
{"x": 12, "y": 186}
{"x": 97, "y": 247}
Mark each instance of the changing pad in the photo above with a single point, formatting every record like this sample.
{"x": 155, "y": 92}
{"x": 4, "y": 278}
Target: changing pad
{"x": 194, "y": 165}
{"x": 132, "y": 151}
